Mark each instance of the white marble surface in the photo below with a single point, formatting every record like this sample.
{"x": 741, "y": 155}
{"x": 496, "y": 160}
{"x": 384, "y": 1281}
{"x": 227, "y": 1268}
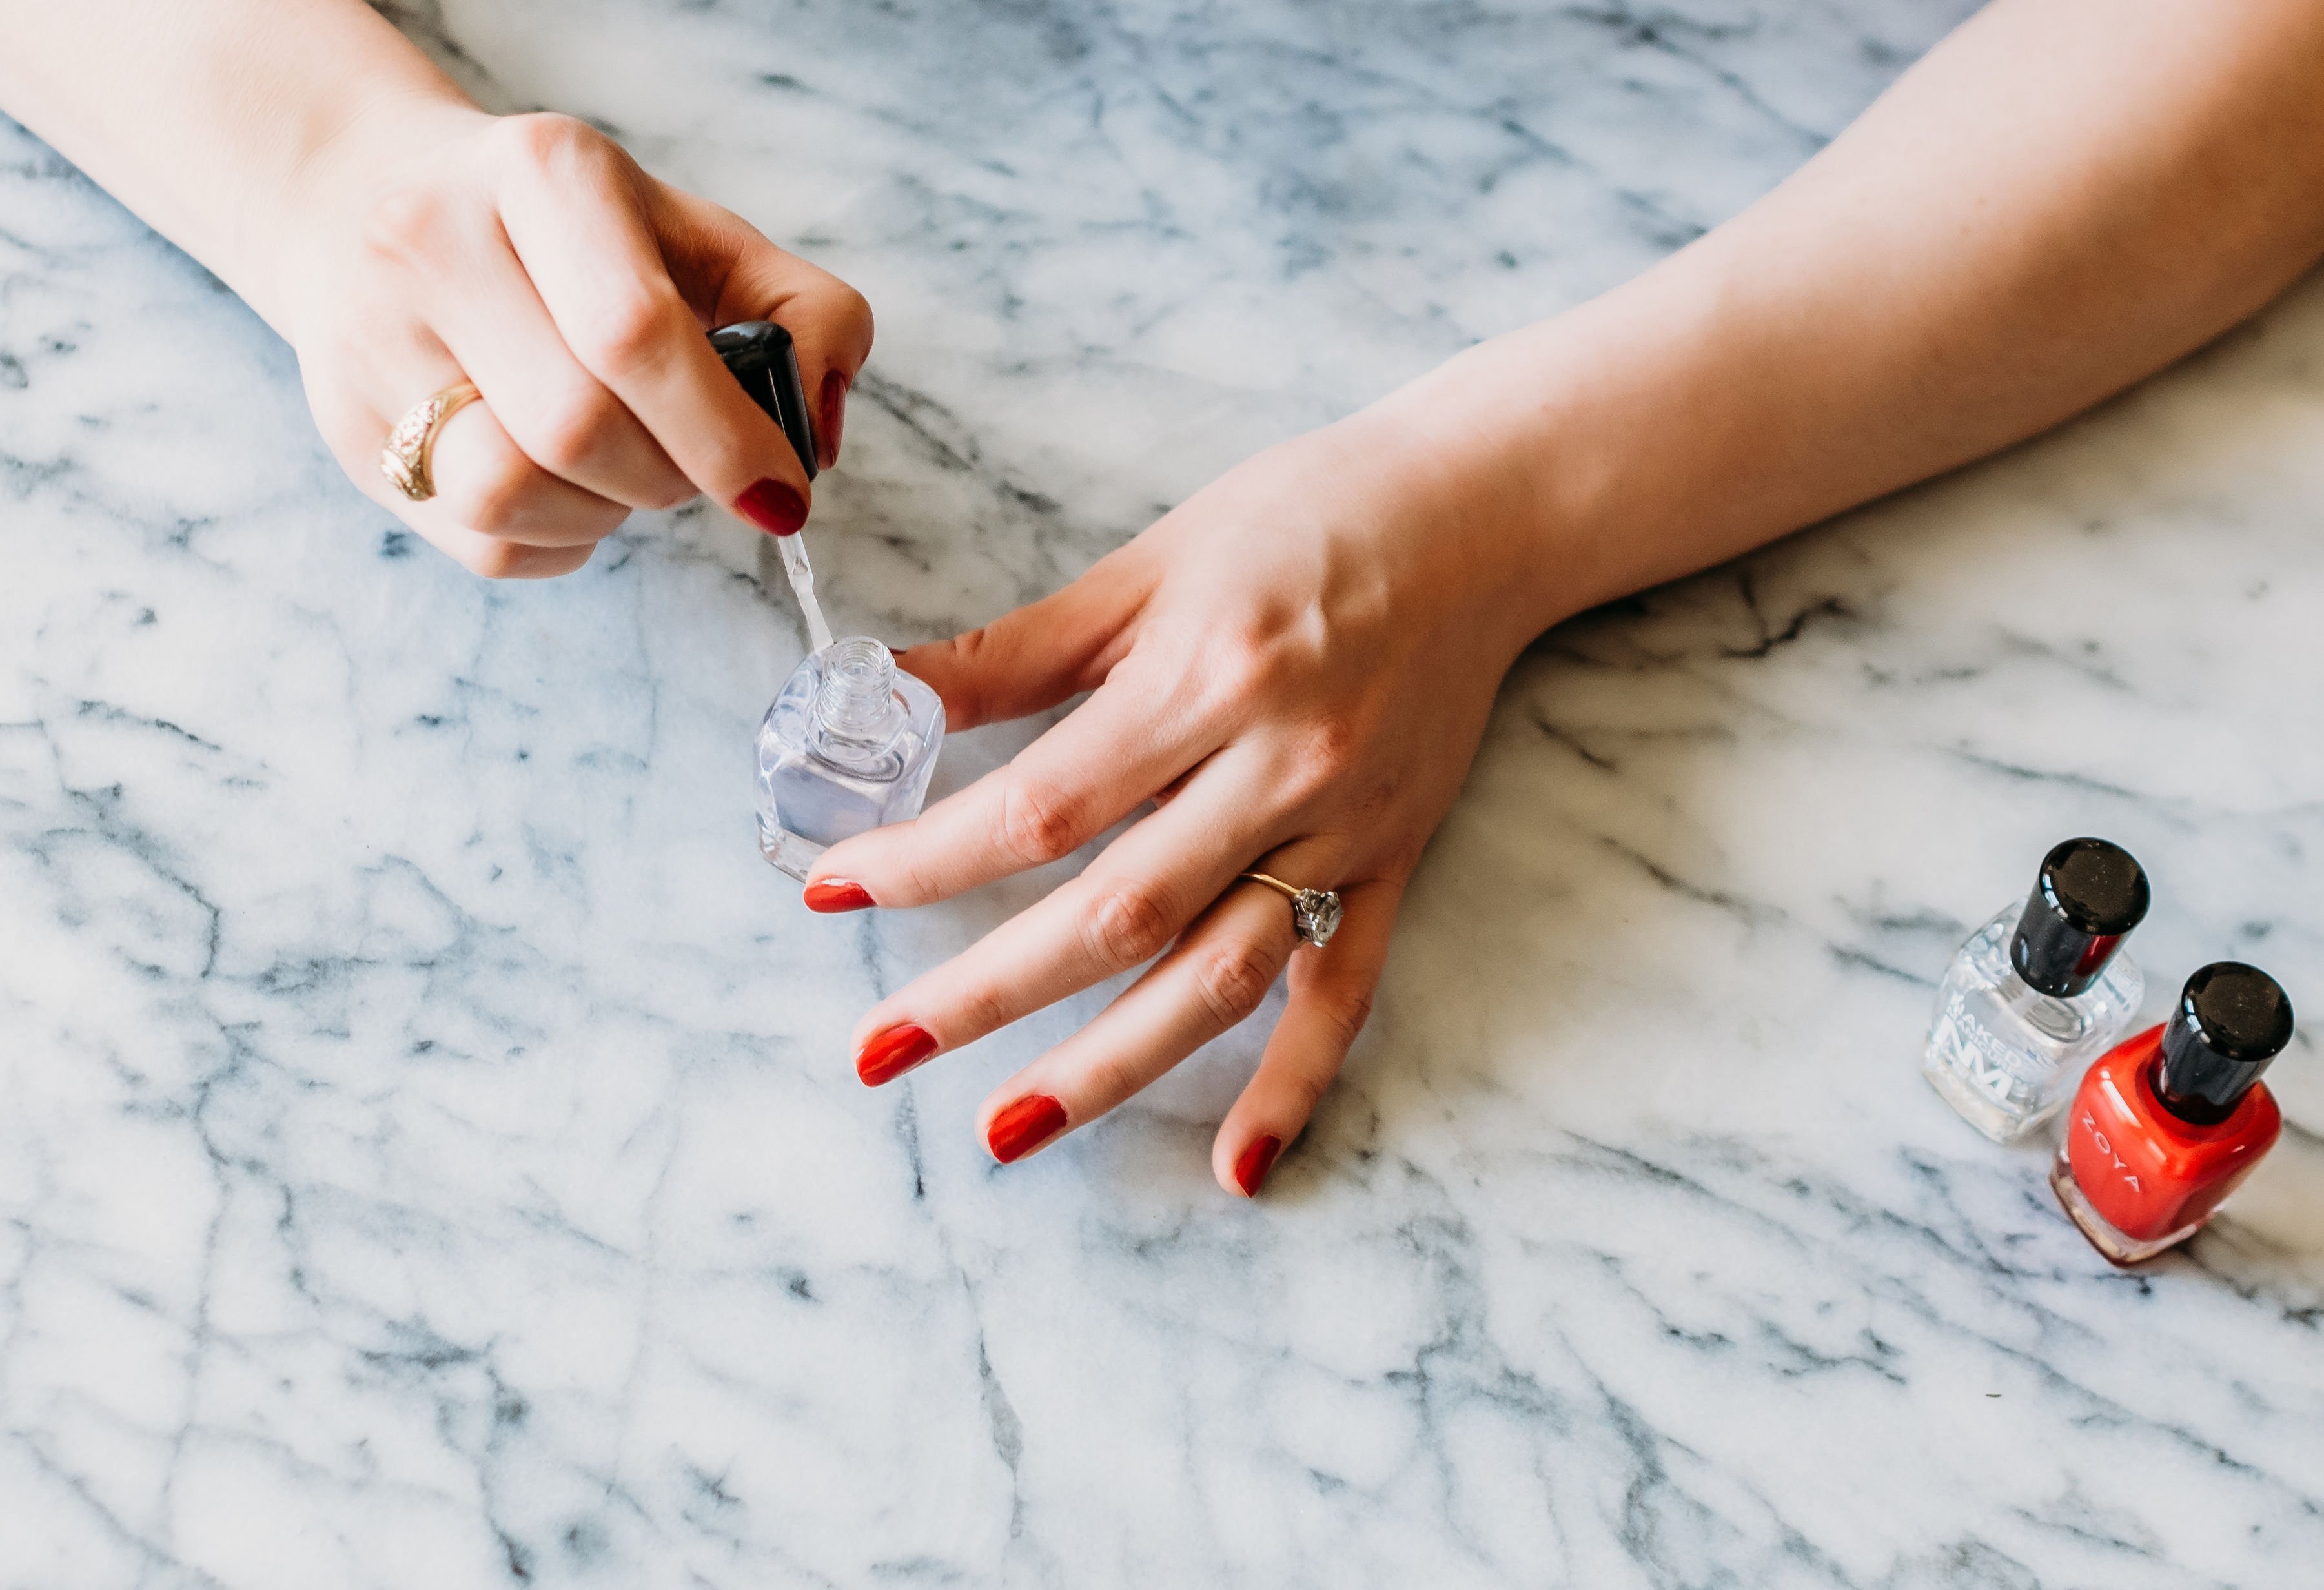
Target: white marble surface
{"x": 428, "y": 1155}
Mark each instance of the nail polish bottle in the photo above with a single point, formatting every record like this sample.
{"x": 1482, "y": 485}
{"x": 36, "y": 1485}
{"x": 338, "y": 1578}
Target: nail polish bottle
{"x": 2168, "y": 1123}
{"x": 2038, "y": 991}
{"x": 847, "y": 746}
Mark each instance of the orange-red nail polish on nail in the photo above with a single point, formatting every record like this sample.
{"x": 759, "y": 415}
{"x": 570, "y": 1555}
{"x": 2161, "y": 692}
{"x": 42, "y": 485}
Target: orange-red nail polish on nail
{"x": 1022, "y": 1127}
{"x": 834, "y": 403}
{"x": 1251, "y": 1166}
{"x": 831, "y": 894}
{"x": 891, "y": 1051}
{"x": 773, "y": 506}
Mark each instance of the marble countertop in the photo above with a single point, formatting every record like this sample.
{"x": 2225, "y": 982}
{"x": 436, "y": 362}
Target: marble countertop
{"x": 427, "y": 1153}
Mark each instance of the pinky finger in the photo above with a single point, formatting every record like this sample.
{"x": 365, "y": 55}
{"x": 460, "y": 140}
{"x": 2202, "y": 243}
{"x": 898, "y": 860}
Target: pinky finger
{"x": 1331, "y": 993}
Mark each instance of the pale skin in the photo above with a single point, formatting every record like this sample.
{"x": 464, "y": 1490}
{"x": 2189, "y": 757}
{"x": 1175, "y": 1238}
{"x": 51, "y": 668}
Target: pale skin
{"x": 2062, "y": 198}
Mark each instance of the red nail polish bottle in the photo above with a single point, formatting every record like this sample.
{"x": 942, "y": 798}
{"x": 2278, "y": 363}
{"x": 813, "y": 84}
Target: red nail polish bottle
{"x": 2167, "y": 1123}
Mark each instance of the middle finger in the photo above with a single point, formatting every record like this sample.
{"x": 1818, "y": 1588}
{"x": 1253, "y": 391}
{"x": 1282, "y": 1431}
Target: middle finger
{"x": 1125, "y": 909}
{"x": 491, "y": 317}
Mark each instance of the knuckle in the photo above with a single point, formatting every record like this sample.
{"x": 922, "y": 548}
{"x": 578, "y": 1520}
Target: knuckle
{"x": 497, "y": 560}
{"x": 574, "y": 429}
{"x": 406, "y": 224}
{"x": 981, "y": 1009}
{"x": 1308, "y": 1088}
{"x": 1037, "y": 823}
{"x": 1343, "y": 1016}
{"x": 1233, "y": 978}
{"x": 548, "y": 140}
{"x": 493, "y": 504}
{"x": 628, "y": 332}
{"x": 1321, "y": 756}
{"x": 1128, "y": 924}
{"x": 1109, "y": 1078}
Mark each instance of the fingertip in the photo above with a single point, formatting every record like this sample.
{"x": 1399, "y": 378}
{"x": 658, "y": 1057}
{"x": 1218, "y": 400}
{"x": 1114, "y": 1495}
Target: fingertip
{"x": 775, "y": 506}
{"x": 831, "y": 894}
{"x": 1023, "y": 1125}
{"x": 1249, "y": 1170}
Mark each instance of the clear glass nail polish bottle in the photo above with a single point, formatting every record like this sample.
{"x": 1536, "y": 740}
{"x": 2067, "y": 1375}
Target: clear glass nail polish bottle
{"x": 847, "y": 746}
{"x": 2038, "y": 992}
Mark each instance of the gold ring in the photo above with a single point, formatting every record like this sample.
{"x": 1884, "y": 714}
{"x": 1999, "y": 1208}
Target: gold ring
{"x": 409, "y": 449}
{"x": 1315, "y": 912}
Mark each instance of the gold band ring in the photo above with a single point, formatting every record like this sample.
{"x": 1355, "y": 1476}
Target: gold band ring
{"x": 409, "y": 451}
{"x": 1315, "y": 912}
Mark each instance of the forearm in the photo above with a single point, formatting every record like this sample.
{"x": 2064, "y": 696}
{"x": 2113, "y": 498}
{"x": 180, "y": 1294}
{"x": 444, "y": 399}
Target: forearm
{"x": 2060, "y": 199}
{"x": 211, "y": 118}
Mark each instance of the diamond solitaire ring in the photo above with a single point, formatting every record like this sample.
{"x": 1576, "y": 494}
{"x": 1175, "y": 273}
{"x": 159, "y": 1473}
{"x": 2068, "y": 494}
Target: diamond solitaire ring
{"x": 1315, "y": 912}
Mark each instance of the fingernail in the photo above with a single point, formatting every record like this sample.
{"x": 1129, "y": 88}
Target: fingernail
{"x": 831, "y": 894}
{"x": 773, "y": 507}
{"x": 1251, "y": 1166}
{"x": 1024, "y": 1126}
{"x": 891, "y": 1051}
{"x": 835, "y": 419}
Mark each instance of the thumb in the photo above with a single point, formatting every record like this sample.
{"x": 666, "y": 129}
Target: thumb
{"x": 1029, "y": 660}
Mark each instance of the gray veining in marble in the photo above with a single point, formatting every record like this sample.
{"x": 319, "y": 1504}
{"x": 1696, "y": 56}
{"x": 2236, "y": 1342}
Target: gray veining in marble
{"x": 428, "y": 1155}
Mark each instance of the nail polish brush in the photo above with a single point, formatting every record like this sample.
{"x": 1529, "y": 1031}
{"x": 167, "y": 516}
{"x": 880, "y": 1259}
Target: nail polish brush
{"x": 761, "y": 355}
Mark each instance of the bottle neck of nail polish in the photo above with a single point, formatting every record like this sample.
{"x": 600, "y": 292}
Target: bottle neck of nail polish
{"x": 856, "y": 717}
{"x": 2168, "y": 1123}
{"x": 2038, "y": 991}
{"x": 848, "y": 745}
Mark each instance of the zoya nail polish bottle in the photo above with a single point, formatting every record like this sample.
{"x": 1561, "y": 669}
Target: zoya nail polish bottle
{"x": 848, "y": 745}
{"x": 2167, "y": 1124}
{"x": 2038, "y": 990}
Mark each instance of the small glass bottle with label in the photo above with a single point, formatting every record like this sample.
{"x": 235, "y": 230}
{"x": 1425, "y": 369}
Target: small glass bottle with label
{"x": 2170, "y": 1122}
{"x": 848, "y": 745}
{"x": 2038, "y": 992}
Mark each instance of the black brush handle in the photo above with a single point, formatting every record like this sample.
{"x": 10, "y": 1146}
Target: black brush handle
{"x": 763, "y": 360}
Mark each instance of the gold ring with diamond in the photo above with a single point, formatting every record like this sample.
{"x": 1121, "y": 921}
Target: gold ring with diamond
{"x": 1315, "y": 912}
{"x": 409, "y": 451}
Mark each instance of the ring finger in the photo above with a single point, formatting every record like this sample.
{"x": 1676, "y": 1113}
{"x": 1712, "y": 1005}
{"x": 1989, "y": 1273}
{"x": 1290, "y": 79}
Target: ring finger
{"x": 485, "y": 488}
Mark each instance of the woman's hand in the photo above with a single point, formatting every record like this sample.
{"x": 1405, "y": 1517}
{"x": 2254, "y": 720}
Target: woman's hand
{"x": 531, "y": 255}
{"x": 1295, "y": 667}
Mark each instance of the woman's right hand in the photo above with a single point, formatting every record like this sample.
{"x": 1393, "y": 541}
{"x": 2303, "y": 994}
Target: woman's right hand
{"x": 531, "y": 255}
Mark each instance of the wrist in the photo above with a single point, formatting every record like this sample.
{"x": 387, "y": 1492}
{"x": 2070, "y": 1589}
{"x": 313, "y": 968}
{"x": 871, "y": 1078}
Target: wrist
{"x": 1475, "y": 446}
{"x": 333, "y": 169}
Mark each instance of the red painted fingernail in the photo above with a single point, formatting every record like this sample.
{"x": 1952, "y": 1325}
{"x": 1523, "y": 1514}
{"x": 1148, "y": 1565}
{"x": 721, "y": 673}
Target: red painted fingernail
{"x": 830, "y": 894}
{"x": 773, "y": 507}
{"x": 891, "y": 1051}
{"x": 834, "y": 418}
{"x": 1251, "y": 1166}
{"x": 1024, "y": 1126}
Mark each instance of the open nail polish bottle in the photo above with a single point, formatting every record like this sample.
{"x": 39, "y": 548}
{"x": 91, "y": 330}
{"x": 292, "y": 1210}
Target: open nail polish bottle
{"x": 2167, "y": 1124}
{"x": 2038, "y": 991}
{"x": 847, "y": 746}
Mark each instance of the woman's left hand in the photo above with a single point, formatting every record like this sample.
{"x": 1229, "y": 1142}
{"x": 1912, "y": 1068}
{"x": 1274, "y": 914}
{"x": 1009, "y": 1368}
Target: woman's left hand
{"x": 1295, "y": 667}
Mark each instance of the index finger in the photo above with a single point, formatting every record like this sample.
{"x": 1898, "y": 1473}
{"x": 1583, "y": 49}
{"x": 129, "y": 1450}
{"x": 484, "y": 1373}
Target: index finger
{"x": 1062, "y": 790}
{"x": 601, "y": 273}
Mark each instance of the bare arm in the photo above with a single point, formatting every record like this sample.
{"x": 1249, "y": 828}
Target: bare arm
{"x": 216, "y": 120}
{"x": 2061, "y": 199}
{"x": 403, "y": 240}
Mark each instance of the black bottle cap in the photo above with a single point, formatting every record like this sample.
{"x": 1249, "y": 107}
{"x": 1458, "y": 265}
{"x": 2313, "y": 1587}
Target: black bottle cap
{"x": 760, "y": 355}
{"x": 2232, "y": 1020}
{"x": 2090, "y": 894}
